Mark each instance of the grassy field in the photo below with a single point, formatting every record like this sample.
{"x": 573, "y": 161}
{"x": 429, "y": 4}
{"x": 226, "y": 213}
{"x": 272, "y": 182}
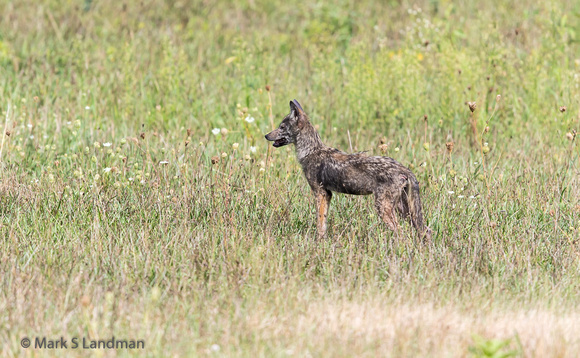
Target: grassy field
{"x": 139, "y": 199}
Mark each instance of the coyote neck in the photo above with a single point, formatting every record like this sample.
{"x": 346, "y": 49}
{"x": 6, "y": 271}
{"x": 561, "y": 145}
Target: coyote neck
{"x": 307, "y": 142}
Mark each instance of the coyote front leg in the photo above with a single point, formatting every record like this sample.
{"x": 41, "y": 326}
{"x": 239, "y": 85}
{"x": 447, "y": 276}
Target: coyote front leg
{"x": 322, "y": 204}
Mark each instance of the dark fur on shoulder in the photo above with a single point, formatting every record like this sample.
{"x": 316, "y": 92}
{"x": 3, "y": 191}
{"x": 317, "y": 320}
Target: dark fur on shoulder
{"x": 394, "y": 186}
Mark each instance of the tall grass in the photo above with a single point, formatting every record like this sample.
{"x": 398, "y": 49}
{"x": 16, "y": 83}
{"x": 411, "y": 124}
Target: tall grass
{"x": 138, "y": 198}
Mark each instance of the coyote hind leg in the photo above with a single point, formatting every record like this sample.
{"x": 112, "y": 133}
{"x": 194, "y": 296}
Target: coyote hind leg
{"x": 386, "y": 207}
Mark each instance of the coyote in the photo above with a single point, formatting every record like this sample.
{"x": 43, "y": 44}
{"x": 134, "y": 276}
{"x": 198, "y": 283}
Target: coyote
{"x": 327, "y": 169}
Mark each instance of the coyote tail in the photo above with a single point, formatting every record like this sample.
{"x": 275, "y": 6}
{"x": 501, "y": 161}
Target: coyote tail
{"x": 415, "y": 208}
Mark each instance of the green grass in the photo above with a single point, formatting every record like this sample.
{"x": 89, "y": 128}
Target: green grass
{"x": 122, "y": 214}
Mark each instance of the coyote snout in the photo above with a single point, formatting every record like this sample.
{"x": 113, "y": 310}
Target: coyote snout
{"x": 278, "y": 138}
{"x": 327, "y": 170}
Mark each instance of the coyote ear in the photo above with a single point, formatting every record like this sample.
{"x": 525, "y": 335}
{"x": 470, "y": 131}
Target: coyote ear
{"x": 296, "y": 107}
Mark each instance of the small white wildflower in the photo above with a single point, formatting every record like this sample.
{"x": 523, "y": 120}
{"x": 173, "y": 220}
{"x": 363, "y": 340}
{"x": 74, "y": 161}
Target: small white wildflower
{"x": 108, "y": 144}
{"x": 250, "y": 119}
{"x": 29, "y": 125}
{"x": 97, "y": 177}
{"x": 471, "y": 197}
{"x": 450, "y": 192}
{"x": 475, "y": 163}
{"x": 460, "y": 196}
{"x": 215, "y": 348}
{"x": 164, "y": 162}
{"x": 262, "y": 170}
{"x": 131, "y": 179}
{"x": 397, "y": 149}
{"x": 31, "y": 137}
{"x": 224, "y": 154}
{"x": 215, "y": 131}
{"x": 45, "y": 136}
{"x": 235, "y": 145}
{"x": 253, "y": 149}
{"x": 106, "y": 170}
{"x": 68, "y": 123}
{"x": 87, "y": 107}
{"x": 224, "y": 131}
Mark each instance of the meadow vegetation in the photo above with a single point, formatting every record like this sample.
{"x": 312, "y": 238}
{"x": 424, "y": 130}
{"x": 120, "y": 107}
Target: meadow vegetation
{"x": 139, "y": 199}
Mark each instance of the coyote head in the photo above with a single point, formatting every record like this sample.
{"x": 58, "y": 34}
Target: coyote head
{"x": 290, "y": 127}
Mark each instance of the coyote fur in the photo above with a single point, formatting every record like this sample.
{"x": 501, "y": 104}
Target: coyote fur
{"x": 327, "y": 170}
